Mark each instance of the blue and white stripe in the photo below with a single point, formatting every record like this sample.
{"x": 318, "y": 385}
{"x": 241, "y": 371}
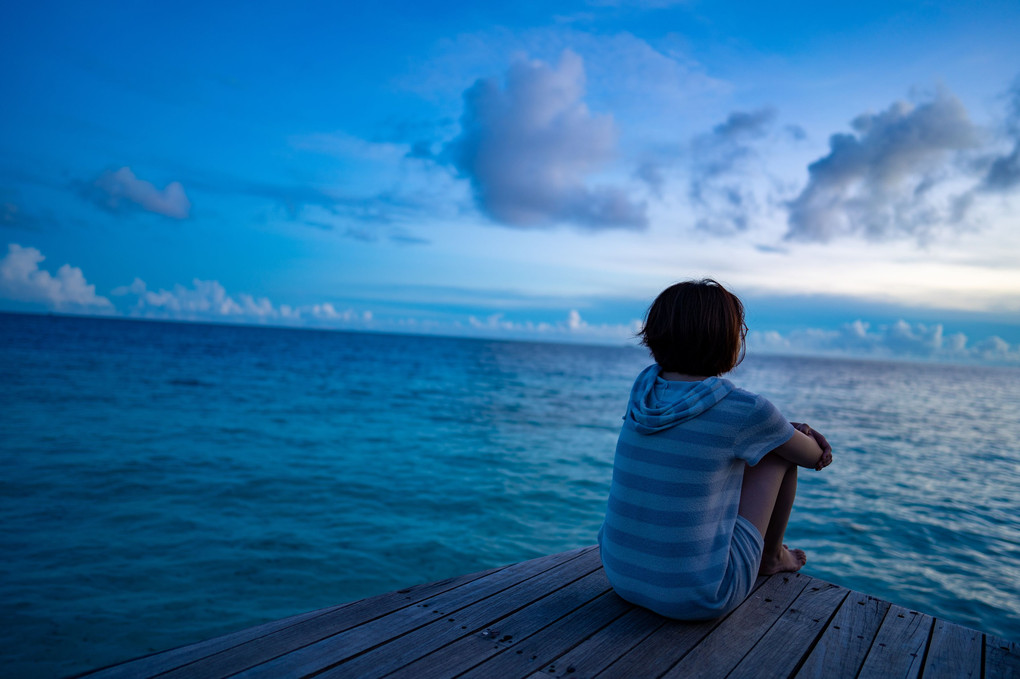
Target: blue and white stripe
{"x": 672, "y": 540}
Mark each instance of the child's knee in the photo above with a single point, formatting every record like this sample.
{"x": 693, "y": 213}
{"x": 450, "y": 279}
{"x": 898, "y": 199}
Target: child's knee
{"x": 774, "y": 459}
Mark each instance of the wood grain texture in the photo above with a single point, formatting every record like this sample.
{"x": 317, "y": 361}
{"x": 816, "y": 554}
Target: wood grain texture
{"x": 899, "y": 646}
{"x": 787, "y": 642}
{"x": 500, "y": 634}
{"x": 661, "y": 649}
{"x": 723, "y": 650}
{"x": 600, "y": 649}
{"x": 522, "y": 658}
{"x": 557, "y": 616}
{"x": 236, "y": 657}
{"x": 385, "y": 644}
{"x": 1002, "y": 658}
{"x": 843, "y": 646}
{"x": 953, "y": 652}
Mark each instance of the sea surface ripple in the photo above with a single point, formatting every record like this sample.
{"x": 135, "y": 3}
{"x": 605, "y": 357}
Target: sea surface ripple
{"x": 163, "y": 483}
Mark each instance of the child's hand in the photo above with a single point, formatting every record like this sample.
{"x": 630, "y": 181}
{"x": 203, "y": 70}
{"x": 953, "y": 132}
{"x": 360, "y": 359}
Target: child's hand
{"x": 826, "y": 459}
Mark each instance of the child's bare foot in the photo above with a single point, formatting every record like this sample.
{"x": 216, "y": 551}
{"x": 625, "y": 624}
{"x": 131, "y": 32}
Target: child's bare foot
{"x": 787, "y": 561}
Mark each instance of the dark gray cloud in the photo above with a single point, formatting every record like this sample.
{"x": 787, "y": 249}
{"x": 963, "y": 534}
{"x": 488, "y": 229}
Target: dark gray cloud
{"x": 422, "y": 150}
{"x": 742, "y": 125}
{"x": 307, "y": 204}
{"x": 529, "y": 147}
{"x": 719, "y": 190}
{"x": 796, "y": 132}
{"x": 362, "y": 234}
{"x": 12, "y": 216}
{"x": 405, "y": 239}
{"x": 1004, "y": 171}
{"x": 651, "y": 173}
{"x": 879, "y": 181}
{"x": 368, "y": 219}
{"x": 118, "y": 191}
{"x": 293, "y": 199}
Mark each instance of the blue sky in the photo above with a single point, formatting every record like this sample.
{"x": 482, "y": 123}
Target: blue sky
{"x": 538, "y": 170}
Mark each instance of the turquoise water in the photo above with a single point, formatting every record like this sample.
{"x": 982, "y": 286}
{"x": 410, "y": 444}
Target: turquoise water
{"x": 164, "y": 483}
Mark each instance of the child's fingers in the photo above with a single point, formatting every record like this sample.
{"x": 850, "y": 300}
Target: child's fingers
{"x": 822, "y": 441}
{"x": 819, "y": 438}
{"x": 824, "y": 461}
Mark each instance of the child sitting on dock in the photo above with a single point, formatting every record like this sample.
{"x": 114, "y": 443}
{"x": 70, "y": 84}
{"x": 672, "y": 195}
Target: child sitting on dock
{"x": 705, "y": 473}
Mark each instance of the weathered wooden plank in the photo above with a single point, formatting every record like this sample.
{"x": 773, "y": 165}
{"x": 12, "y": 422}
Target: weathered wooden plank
{"x": 721, "y": 651}
{"x": 953, "y": 653}
{"x": 418, "y": 599}
{"x": 1002, "y": 658}
{"x": 345, "y": 615}
{"x": 664, "y": 646}
{"x": 660, "y": 650}
{"x": 788, "y": 641}
{"x": 598, "y": 651}
{"x": 556, "y": 616}
{"x": 468, "y": 651}
{"x": 474, "y": 619}
{"x": 385, "y": 644}
{"x": 523, "y": 657}
{"x": 844, "y": 644}
{"x": 899, "y": 645}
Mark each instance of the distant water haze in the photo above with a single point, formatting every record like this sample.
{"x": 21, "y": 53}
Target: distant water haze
{"x": 163, "y": 483}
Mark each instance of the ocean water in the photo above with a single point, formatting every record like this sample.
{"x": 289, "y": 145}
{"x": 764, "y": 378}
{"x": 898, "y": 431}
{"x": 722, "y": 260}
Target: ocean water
{"x": 163, "y": 483}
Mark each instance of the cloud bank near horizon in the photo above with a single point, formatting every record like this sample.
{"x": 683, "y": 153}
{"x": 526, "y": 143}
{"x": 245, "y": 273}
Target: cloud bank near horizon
{"x": 23, "y": 280}
{"x": 899, "y": 340}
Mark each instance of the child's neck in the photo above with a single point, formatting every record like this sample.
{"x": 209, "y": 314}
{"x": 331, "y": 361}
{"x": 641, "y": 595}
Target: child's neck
{"x": 681, "y": 377}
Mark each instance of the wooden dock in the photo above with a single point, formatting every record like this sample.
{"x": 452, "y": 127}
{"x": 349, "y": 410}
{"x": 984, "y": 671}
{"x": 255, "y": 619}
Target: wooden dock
{"x": 556, "y": 616}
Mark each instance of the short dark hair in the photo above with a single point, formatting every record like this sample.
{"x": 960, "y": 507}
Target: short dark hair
{"x": 695, "y": 328}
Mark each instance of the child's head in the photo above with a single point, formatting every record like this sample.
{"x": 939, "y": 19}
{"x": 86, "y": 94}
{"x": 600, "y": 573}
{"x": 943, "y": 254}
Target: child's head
{"x": 695, "y": 328}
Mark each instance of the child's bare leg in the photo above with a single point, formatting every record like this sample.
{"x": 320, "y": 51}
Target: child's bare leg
{"x": 766, "y": 500}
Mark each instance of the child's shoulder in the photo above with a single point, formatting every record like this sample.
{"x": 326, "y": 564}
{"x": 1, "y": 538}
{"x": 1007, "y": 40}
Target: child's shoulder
{"x": 748, "y": 401}
{"x": 741, "y": 396}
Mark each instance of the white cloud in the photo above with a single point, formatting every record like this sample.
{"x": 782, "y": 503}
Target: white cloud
{"x": 897, "y": 340}
{"x": 574, "y": 321}
{"x": 209, "y": 300}
{"x": 722, "y": 188}
{"x": 891, "y": 177}
{"x": 530, "y": 147}
{"x": 572, "y": 328}
{"x": 21, "y": 280}
{"x": 122, "y": 189}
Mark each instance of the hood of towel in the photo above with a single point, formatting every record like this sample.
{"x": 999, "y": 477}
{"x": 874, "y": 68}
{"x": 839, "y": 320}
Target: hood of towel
{"x": 657, "y": 404}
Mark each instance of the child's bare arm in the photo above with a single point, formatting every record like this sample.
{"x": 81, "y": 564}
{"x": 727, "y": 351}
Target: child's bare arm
{"x": 807, "y": 448}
